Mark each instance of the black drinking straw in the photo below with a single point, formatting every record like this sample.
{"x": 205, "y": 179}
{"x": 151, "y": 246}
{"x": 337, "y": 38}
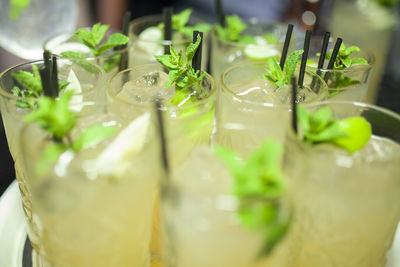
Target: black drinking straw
{"x": 160, "y": 122}
{"x": 322, "y": 55}
{"x": 196, "y": 61}
{"x": 304, "y": 58}
{"x": 123, "y": 63}
{"x": 167, "y": 11}
{"x": 220, "y": 13}
{"x": 294, "y": 104}
{"x": 45, "y": 74}
{"x": 286, "y": 45}
{"x": 333, "y": 57}
{"x": 54, "y": 77}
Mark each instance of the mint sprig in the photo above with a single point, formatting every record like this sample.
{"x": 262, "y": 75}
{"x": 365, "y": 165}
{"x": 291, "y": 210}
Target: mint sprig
{"x": 275, "y": 75}
{"x": 233, "y": 30}
{"x": 180, "y": 24}
{"x": 55, "y": 117}
{"x": 182, "y": 73}
{"x": 259, "y": 184}
{"x": 344, "y": 59}
{"x": 350, "y": 134}
{"x": 30, "y": 87}
{"x": 93, "y": 39}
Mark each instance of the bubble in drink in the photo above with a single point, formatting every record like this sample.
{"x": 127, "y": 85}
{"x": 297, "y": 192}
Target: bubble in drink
{"x": 147, "y": 88}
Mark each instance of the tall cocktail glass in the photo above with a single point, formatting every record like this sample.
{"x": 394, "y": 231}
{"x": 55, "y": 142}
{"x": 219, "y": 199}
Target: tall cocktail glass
{"x": 202, "y": 216}
{"x": 93, "y": 207}
{"x": 348, "y": 84}
{"x": 247, "y": 99}
{"x": 347, "y": 205}
{"x": 132, "y": 92}
{"x": 92, "y": 87}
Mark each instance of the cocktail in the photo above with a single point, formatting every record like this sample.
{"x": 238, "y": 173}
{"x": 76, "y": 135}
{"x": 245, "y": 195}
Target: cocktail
{"x": 247, "y": 98}
{"x": 105, "y": 46}
{"x": 147, "y": 37}
{"x": 231, "y": 208}
{"x": 257, "y": 41}
{"x": 347, "y": 185}
{"x": 189, "y": 109}
{"x": 350, "y": 77}
{"x": 92, "y": 185}
{"x": 20, "y": 89}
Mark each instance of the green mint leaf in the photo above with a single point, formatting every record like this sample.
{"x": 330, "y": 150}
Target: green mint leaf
{"x": 50, "y": 156}
{"x": 98, "y": 31}
{"x": 258, "y": 185}
{"x": 351, "y": 49}
{"x": 339, "y": 80}
{"x": 86, "y": 37}
{"x": 274, "y": 72}
{"x": 192, "y": 48}
{"x": 115, "y": 40}
{"x": 201, "y": 27}
{"x": 346, "y": 62}
{"x": 167, "y": 61}
{"x": 173, "y": 76}
{"x": 72, "y": 54}
{"x": 180, "y": 20}
{"x": 108, "y": 64}
{"x": 358, "y": 61}
{"x": 54, "y": 115}
{"x": 290, "y": 64}
{"x": 234, "y": 27}
{"x": 29, "y": 81}
{"x": 16, "y": 7}
{"x": 351, "y": 133}
{"x": 92, "y": 136}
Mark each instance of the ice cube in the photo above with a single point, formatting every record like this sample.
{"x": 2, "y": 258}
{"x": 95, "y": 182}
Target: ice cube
{"x": 147, "y": 88}
{"x": 284, "y": 94}
{"x": 257, "y": 90}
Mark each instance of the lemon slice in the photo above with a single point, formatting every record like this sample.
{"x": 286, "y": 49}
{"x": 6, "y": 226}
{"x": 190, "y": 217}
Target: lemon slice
{"x": 149, "y": 41}
{"x": 115, "y": 159}
{"x": 260, "y": 51}
{"x": 74, "y": 84}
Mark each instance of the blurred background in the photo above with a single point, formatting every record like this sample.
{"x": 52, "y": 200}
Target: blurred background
{"x": 370, "y": 24}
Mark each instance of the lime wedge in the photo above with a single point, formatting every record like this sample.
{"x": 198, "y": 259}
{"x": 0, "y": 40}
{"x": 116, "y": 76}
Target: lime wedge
{"x": 260, "y": 51}
{"x": 74, "y": 84}
{"x": 116, "y": 158}
{"x": 359, "y": 131}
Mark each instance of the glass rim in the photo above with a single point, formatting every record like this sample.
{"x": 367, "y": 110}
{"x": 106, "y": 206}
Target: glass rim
{"x": 151, "y": 104}
{"x": 102, "y": 56}
{"x": 355, "y": 104}
{"x": 150, "y": 18}
{"x": 12, "y": 96}
{"x": 251, "y": 102}
{"x": 250, "y": 21}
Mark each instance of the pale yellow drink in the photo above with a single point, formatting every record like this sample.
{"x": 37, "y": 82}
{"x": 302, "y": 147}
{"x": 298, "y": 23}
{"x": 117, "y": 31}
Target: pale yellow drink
{"x": 88, "y": 86}
{"x": 251, "y": 108}
{"x": 132, "y": 92}
{"x": 94, "y": 207}
{"x": 347, "y": 205}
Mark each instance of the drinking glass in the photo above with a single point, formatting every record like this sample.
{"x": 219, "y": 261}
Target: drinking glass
{"x": 92, "y": 89}
{"x": 247, "y": 99}
{"x": 93, "y": 207}
{"x": 133, "y": 91}
{"x": 347, "y": 205}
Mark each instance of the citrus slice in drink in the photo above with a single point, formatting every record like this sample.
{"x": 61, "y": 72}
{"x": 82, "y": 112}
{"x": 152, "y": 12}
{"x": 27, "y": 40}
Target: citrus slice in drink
{"x": 116, "y": 158}
{"x": 261, "y": 50}
{"x": 150, "y": 41}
